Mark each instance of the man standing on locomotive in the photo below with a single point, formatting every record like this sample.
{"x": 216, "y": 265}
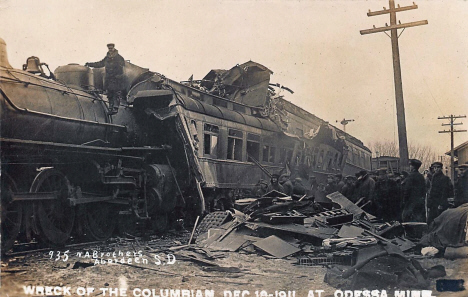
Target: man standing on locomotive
{"x": 114, "y": 64}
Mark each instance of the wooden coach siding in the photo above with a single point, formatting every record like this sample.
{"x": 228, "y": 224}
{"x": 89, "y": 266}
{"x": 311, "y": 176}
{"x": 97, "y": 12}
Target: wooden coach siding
{"x": 226, "y": 173}
{"x": 221, "y": 172}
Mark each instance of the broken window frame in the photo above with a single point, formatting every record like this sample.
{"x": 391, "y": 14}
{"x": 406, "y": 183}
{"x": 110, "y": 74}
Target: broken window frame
{"x": 320, "y": 158}
{"x": 210, "y": 140}
{"x": 298, "y": 160}
{"x": 268, "y": 152}
{"x": 235, "y": 143}
{"x": 253, "y": 147}
{"x": 328, "y": 161}
{"x": 194, "y": 132}
{"x": 315, "y": 153}
{"x": 286, "y": 155}
{"x": 336, "y": 162}
{"x": 341, "y": 160}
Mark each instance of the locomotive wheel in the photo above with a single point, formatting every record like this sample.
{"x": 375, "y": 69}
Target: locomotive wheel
{"x": 127, "y": 226}
{"x": 100, "y": 220}
{"x": 11, "y": 212}
{"x": 54, "y": 218}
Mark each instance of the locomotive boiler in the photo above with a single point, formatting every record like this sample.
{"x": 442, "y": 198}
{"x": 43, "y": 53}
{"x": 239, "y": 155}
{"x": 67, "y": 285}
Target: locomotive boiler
{"x": 66, "y": 165}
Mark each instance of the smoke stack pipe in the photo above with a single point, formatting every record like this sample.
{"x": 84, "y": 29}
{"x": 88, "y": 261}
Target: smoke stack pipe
{"x": 3, "y": 55}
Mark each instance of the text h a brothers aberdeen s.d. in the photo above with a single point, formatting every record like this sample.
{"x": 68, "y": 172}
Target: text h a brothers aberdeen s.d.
{"x": 115, "y": 257}
{"x": 149, "y": 292}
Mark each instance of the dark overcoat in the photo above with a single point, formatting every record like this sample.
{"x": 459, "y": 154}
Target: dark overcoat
{"x": 365, "y": 188}
{"x": 386, "y": 200}
{"x": 461, "y": 189}
{"x": 348, "y": 191}
{"x": 114, "y": 64}
{"x": 414, "y": 192}
{"x": 287, "y": 187}
{"x": 441, "y": 189}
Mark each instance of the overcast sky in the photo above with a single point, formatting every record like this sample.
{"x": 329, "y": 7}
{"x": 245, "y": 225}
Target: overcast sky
{"x": 313, "y": 47}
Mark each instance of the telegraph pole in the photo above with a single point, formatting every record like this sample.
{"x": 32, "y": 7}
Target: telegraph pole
{"x": 400, "y": 106}
{"x": 345, "y": 122}
{"x": 452, "y": 123}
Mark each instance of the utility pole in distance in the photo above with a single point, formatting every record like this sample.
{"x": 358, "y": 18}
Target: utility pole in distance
{"x": 452, "y": 123}
{"x": 345, "y": 122}
{"x": 400, "y": 106}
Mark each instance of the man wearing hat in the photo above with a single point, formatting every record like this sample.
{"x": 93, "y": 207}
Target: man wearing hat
{"x": 274, "y": 184}
{"x": 331, "y": 186}
{"x": 365, "y": 186}
{"x": 414, "y": 192}
{"x": 113, "y": 84}
{"x": 386, "y": 198}
{"x": 339, "y": 181}
{"x": 286, "y": 183}
{"x": 298, "y": 190}
{"x": 440, "y": 190}
{"x": 260, "y": 188}
{"x": 461, "y": 188}
{"x": 428, "y": 174}
{"x": 348, "y": 188}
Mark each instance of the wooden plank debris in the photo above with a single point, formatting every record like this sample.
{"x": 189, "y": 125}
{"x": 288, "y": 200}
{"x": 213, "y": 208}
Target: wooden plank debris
{"x": 348, "y": 231}
{"x": 232, "y": 243}
{"x": 345, "y": 203}
{"x": 276, "y": 247}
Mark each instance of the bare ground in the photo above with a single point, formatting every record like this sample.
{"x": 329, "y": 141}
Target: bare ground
{"x": 245, "y": 271}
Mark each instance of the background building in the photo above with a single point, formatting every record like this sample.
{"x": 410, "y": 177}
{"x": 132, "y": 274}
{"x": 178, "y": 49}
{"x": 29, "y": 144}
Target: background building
{"x": 392, "y": 163}
{"x": 461, "y": 154}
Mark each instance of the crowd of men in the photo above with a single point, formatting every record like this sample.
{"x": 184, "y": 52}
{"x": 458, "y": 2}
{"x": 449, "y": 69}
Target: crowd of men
{"x": 391, "y": 196}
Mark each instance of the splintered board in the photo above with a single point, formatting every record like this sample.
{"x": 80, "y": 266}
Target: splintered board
{"x": 276, "y": 247}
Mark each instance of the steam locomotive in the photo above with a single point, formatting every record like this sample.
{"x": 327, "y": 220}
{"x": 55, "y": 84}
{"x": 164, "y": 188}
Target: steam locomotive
{"x": 173, "y": 147}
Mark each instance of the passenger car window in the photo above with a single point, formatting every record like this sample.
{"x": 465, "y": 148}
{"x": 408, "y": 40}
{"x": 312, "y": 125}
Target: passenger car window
{"x": 253, "y": 147}
{"x": 210, "y": 142}
{"x": 235, "y": 141}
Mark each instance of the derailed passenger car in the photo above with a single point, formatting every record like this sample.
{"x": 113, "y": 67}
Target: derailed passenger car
{"x": 239, "y": 130}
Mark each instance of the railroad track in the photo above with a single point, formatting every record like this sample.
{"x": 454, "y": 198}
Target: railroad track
{"x": 35, "y": 247}
{"x": 170, "y": 238}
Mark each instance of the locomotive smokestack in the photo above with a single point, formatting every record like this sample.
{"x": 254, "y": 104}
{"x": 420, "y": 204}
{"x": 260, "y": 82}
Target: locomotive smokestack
{"x": 3, "y": 55}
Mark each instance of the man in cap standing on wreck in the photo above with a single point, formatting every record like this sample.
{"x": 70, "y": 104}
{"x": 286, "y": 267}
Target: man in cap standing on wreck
{"x": 414, "y": 191}
{"x": 114, "y": 64}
